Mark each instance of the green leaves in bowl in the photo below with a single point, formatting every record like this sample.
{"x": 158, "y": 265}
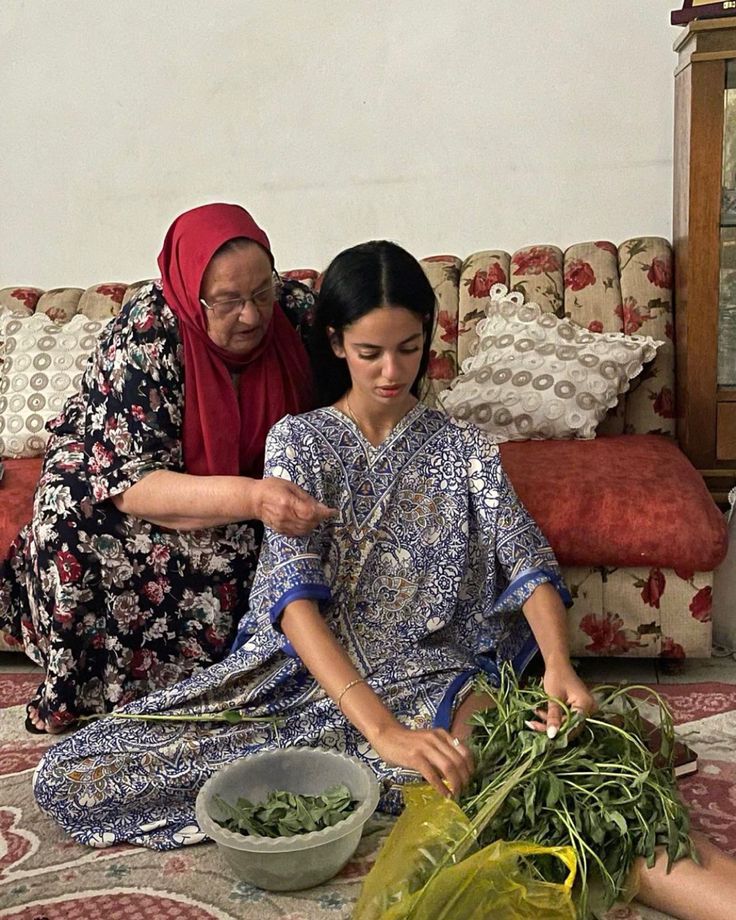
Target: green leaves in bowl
{"x": 284, "y": 814}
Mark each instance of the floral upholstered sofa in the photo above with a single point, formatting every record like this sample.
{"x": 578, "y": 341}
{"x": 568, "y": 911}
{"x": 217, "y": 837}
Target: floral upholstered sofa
{"x": 632, "y": 524}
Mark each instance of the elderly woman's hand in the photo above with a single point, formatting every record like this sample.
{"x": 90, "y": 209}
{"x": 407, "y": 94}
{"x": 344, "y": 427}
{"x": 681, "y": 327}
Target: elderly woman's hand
{"x": 286, "y": 508}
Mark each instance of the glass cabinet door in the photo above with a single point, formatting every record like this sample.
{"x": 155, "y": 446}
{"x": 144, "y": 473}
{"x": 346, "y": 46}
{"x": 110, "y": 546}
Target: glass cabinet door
{"x": 727, "y": 292}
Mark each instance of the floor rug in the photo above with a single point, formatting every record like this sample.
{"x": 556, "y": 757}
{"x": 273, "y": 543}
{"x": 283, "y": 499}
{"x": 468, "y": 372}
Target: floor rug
{"x": 44, "y": 876}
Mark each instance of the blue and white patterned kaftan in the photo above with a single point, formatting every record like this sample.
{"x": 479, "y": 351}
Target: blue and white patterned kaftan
{"x": 420, "y": 578}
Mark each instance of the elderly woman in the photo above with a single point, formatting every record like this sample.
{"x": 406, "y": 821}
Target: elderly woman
{"x": 147, "y": 517}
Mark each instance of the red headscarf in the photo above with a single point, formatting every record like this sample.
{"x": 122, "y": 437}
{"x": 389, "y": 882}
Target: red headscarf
{"x": 224, "y": 429}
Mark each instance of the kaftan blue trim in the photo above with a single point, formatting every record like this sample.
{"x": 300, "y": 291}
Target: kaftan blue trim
{"x": 306, "y": 591}
{"x": 443, "y": 716}
{"x": 523, "y": 586}
{"x": 317, "y": 592}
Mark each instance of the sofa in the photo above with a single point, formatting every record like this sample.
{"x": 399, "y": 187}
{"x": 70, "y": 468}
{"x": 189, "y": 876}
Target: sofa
{"x": 630, "y": 520}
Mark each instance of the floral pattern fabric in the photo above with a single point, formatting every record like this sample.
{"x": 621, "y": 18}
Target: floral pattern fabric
{"x": 420, "y": 579}
{"x": 639, "y": 612}
{"x": 443, "y": 273}
{"x": 112, "y": 606}
{"x": 19, "y": 300}
{"x": 478, "y": 274}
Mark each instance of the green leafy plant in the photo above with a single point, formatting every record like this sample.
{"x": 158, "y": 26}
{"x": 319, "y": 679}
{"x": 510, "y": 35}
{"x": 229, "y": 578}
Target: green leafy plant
{"x": 596, "y": 792}
{"x": 284, "y": 814}
{"x": 596, "y": 787}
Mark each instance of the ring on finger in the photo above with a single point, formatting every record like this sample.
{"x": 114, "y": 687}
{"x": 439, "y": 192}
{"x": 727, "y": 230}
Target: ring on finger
{"x": 456, "y": 742}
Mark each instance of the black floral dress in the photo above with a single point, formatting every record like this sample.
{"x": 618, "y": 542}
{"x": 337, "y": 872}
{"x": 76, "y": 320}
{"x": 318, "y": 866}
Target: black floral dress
{"x": 112, "y": 606}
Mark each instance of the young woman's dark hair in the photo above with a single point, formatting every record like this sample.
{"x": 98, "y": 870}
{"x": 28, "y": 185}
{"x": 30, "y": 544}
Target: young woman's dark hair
{"x": 357, "y": 281}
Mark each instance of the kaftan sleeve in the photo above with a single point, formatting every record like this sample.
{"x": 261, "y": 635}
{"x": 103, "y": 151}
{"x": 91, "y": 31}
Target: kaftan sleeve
{"x": 523, "y": 556}
{"x": 291, "y": 568}
{"x": 132, "y": 392}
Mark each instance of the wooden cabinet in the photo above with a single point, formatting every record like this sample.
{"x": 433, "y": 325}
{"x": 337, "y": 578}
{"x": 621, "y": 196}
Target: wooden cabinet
{"x": 704, "y": 236}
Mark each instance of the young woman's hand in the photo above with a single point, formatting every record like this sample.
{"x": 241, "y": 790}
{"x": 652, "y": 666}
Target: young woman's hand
{"x": 287, "y": 509}
{"x": 561, "y": 682}
{"x": 444, "y": 762}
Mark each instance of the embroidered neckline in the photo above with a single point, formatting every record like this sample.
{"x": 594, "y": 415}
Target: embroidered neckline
{"x": 403, "y": 422}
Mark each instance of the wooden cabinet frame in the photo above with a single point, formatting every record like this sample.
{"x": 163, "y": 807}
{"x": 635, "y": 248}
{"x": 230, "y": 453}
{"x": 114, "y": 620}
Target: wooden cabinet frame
{"x": 706, "y": 433}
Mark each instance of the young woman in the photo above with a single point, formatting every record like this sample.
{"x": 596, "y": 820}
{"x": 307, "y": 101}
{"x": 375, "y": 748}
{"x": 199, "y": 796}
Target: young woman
{"x": 365, "y": 635}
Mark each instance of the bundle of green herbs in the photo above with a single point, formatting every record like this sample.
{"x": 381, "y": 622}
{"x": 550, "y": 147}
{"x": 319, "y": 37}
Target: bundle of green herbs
{"x": 592, "y": 799}
{"x": 596, "y": 787}
{"x": 284, "y": 814}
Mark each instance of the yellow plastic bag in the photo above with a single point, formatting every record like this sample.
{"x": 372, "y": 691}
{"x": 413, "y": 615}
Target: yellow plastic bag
{"x": 495, "y": 883}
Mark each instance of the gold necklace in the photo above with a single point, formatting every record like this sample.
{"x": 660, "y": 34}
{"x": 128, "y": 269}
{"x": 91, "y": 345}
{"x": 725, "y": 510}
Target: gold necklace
{"x": 351, "y": 413}
{"x": 360, "y": 428}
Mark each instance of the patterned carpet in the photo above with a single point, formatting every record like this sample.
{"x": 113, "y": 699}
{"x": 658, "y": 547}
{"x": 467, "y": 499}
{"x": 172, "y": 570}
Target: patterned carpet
{"x": 44, "y": 876}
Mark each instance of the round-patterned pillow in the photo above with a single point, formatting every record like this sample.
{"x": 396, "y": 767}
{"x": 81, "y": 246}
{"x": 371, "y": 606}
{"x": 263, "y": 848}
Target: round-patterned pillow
{"x": 534, "y": 375}
{"x": 42, "y": 365}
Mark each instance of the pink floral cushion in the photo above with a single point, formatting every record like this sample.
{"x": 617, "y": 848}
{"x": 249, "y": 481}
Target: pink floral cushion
{"x": 628, "y": 500}
{"x": 306, "y": 276}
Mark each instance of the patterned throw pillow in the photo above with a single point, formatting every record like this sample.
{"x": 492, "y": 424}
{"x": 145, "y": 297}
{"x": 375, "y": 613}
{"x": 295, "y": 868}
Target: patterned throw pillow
{"x": 534, "y": 375}
{"x": 42, "y": 365}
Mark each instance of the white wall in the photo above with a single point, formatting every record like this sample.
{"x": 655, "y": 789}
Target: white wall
{"x": 443, "y": 124}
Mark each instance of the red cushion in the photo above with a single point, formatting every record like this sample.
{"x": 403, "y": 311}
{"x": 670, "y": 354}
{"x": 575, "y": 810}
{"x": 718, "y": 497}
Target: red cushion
{"x": 16, "y": 498}
{"x": 630, "y": 500}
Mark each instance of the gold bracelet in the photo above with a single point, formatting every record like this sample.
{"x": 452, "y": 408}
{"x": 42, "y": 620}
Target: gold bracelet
{"x": 348, "y": 686}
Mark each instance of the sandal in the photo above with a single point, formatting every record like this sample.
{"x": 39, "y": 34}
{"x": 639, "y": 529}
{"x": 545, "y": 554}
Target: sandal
{"x": 30, "y": 725}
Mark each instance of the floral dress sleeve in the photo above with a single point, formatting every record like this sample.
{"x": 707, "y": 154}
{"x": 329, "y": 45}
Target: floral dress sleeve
{"x": 298, "y": 302}
{"x": 515, "y": 545}
{"x": 289, "y": 568}
{"x": 133, "y": 389}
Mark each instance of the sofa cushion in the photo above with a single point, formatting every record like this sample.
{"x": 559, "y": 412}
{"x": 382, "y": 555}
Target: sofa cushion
{"x": 16, "y": 498}
{"x": 20, "y": 300}
{"x": 628, "y": 500}
{"x": 60, "y": 304}
{"x": 102, "y": 301}
{"x": 535, "y": 375}
{"x": 443, "y": 273}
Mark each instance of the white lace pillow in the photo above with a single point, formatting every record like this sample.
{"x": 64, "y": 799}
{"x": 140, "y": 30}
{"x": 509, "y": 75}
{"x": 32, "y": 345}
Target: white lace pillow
{"x": 534, "y": 375}
{"x": 42, "y": 364}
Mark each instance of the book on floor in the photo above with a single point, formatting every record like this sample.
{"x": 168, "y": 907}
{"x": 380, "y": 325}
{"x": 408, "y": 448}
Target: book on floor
{"x": 686, "y": 759}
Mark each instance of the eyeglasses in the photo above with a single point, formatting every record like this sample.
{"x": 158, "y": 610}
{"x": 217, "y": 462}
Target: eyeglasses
{"x": 260, "y": 299}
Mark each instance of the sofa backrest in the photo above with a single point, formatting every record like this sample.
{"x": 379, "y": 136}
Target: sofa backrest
{"x": 607, "y": 288}
{"x": 597, "y": 284}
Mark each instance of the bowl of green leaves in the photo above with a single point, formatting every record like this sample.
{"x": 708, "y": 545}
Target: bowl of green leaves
{"x": 288, "y": 819}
